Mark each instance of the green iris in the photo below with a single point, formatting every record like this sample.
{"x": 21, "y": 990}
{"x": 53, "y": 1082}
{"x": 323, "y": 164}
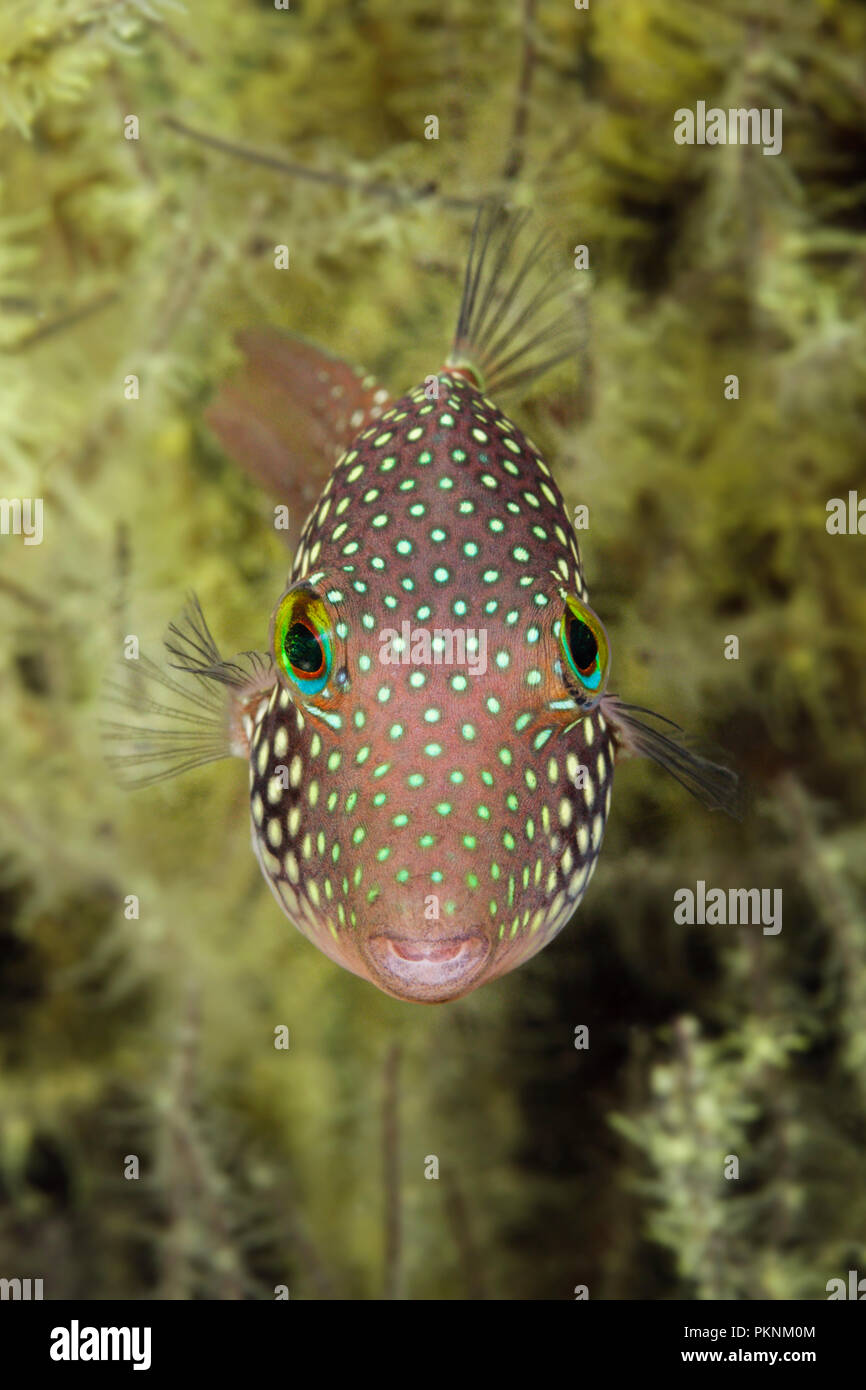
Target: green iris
{"x": 301, "y": 640}
{"x": 583, "y": 642}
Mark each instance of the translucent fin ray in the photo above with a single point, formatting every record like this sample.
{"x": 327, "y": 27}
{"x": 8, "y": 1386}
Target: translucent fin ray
{"x": 716, "y": 786}
{"x": 203, "y": 721}
{"x": 504, "y": 335}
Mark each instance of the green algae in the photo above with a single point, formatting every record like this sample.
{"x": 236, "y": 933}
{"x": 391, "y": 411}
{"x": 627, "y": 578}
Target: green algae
{"x": 154, "y": 1035}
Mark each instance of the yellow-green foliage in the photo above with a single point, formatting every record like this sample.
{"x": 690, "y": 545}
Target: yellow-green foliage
{"x": 154, "y": 1036}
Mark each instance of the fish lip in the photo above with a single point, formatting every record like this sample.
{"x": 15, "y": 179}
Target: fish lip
{"x": 427, "y": 969}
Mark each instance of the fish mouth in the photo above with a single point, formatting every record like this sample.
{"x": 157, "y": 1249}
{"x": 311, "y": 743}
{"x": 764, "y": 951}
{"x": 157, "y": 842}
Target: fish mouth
{"x": 430, "y": 969}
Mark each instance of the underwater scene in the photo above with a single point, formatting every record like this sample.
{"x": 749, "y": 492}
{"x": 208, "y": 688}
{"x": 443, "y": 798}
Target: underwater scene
{"x": 433, "y": 650}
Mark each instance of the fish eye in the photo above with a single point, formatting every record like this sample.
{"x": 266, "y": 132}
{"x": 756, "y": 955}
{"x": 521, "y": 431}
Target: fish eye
{"x": 583, "y": 642}
{"x": 301, "y": 640}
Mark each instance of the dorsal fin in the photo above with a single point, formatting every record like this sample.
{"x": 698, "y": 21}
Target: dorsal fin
{"x": 519, "y": 314}
{"x": 288, "y": 414}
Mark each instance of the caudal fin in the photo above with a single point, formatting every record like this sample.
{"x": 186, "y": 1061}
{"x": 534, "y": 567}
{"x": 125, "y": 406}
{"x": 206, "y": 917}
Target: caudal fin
{"x": 289, "y": 412}
{"x": 519, "y": 314}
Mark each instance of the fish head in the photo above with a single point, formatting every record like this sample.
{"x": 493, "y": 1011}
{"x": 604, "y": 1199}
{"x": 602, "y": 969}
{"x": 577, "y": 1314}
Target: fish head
{"x": 431, "y": 774}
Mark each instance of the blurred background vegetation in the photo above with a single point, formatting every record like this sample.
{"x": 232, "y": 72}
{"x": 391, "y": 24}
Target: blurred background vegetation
{"x": 154, "y": 1036}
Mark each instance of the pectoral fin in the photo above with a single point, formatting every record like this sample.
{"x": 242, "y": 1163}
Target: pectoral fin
{"x": 196, "y": 709}
{"x": 717, "y": 786}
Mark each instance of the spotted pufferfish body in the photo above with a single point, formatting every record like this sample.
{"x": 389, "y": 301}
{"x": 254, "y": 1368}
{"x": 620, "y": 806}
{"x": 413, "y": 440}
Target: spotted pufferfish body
{"x": 430, "y": 738}
{"x": 438, "y": 821}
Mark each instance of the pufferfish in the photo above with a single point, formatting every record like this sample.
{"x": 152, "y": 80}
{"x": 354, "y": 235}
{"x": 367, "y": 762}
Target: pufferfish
{"x": 430, "y": 737}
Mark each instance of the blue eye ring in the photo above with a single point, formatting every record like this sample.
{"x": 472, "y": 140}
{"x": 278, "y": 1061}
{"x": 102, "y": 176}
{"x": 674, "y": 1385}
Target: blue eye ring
{"x": 302, "y": 642}
{"x": 584, "y": 645}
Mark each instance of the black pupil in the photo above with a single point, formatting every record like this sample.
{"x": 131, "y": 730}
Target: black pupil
{"x": 303, "y": 649}
{"x": 582, "y": 645}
